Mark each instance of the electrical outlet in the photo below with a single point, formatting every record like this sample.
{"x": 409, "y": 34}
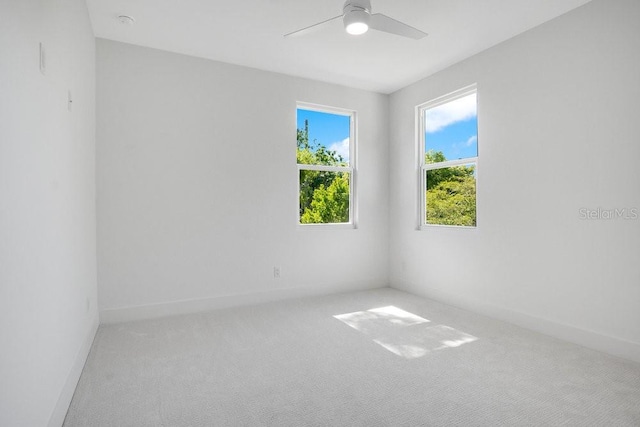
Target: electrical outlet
{"x": 276, "y": 272}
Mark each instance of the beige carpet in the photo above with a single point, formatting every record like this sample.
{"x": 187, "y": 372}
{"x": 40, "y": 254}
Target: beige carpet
{"x": 374, "y": 358}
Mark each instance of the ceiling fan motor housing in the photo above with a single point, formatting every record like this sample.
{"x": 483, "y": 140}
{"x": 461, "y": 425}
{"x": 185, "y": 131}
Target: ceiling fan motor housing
{"x": 356, "y": 16}
{"x": 356, "y": 5}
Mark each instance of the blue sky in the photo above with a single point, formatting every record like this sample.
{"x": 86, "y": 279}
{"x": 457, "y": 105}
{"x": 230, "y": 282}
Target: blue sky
{"x": 453, "y": 128}
{"x": 330, "y": 130}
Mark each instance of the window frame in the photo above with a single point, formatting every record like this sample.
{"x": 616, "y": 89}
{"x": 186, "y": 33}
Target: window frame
{"x": 351, "y": 169}
{"x": 423, "y": 167}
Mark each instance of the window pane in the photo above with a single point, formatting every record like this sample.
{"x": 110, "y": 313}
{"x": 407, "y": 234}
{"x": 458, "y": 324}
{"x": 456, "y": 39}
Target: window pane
{"x": 324, "y": 197}
{"x": 451, "y": 195}
{"x": 451, "y": 130}
{"x": 323, "y": 138}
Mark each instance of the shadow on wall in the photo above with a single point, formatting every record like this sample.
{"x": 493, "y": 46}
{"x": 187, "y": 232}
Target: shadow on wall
{"x": 403, "y": 333}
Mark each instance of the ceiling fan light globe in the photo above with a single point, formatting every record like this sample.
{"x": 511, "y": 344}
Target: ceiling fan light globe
{"x": 356, "y": 22}
{"x": 357, "y": 28}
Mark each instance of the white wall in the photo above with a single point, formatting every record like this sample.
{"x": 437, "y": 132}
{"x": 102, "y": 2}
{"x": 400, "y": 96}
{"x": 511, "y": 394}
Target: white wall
{"x": 558, "y": 131}
{"x": 197, "y": 187}
{"x": 48, "y": 309}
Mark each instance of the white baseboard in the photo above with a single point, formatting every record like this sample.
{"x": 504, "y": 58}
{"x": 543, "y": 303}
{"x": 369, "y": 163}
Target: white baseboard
{"x": 64, "y": 400}
{"x": 173, "y": 308}
{"x": 615, "y": 346}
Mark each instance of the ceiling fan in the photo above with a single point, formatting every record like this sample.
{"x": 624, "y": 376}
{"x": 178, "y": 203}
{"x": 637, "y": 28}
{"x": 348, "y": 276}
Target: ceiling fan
{"x": 357, "y": 18}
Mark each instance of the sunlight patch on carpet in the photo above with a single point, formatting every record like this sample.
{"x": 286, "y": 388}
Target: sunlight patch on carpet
{"x": 380, "y": 319}
{"x": 402, "y": 333}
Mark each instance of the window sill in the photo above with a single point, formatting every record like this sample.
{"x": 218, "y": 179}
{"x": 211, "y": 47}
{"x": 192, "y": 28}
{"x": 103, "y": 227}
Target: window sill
{"x": 339, "y": 226}
{"x": 440, "y": 226}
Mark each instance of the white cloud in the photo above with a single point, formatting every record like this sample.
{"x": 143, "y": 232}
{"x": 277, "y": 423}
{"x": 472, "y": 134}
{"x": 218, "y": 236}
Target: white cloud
{"x": 458, "y": 147}
{"x": 452, "y": 112}
{"x": 472, "y": 140}
{"x": 341, "y": 147}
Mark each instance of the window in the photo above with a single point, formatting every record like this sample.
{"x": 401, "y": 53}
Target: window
{"x": 448, "y": 141}
{"x": 325, "y": 156}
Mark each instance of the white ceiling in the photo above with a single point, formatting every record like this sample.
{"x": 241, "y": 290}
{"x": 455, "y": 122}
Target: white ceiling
{"x": 250, "y": 33}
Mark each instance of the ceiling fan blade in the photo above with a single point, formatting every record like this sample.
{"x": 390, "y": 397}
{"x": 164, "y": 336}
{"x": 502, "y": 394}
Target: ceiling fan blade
{"x": 384, "y": 23}
{"x": 310, "y": 28}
